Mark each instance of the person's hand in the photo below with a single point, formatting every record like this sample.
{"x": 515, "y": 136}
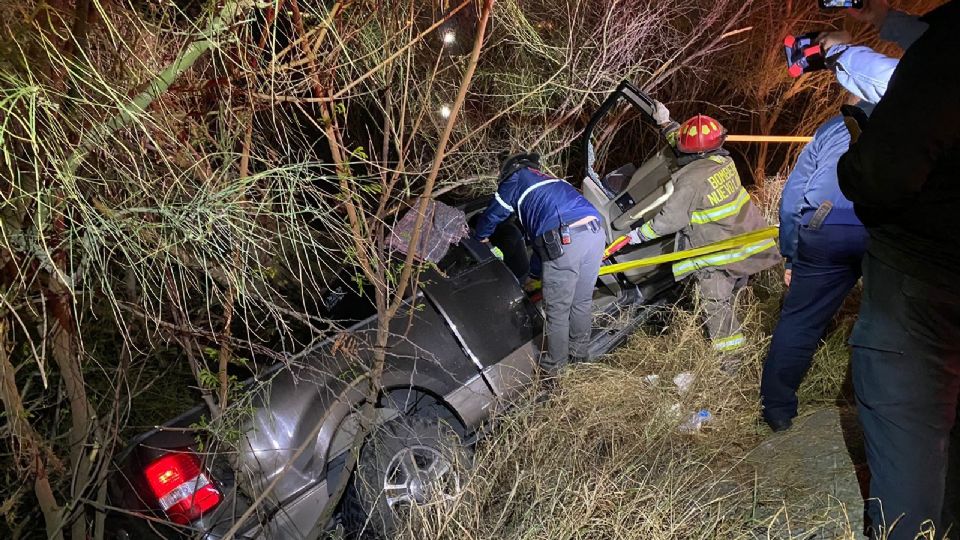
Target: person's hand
{"x": 873, "y": 12}
{"x": 787, "y": 275}
{"x": 661, "y": 114}
{"x": 833, "y": 37}
{"x": 635, "y": 237}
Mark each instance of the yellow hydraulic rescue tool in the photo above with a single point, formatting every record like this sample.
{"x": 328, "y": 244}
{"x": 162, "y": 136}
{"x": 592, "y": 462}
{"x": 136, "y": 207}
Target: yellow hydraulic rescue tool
{"x": 722, "y": 245}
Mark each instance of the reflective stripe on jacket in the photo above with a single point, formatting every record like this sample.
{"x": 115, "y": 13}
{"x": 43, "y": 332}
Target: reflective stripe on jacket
{"x": 540, "y": 201}
{"x": 709, "y": 204}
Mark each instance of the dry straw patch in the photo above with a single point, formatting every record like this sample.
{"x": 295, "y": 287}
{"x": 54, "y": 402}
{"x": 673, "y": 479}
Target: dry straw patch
{"x": 602, "y": 456}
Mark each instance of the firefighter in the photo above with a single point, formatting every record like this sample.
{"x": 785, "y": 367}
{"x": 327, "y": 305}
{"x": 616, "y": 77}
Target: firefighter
{"x": 708, "y": 205}
{"x": 565, "y": 231}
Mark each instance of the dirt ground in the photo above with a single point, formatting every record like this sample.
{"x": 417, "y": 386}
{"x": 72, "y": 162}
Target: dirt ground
{"x": 809, "y": 478}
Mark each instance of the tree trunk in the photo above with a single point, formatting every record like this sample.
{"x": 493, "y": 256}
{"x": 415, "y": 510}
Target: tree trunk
{"x": 32, "y": 451}
{"x": 386, "y": 307}
{"x": 66, "y": 354}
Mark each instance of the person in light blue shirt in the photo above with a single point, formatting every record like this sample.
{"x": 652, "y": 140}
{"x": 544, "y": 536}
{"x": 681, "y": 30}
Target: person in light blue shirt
{"x": 823, "y": 244}
{"x": 861, "y": 70}
{"x": 821, "y": 238}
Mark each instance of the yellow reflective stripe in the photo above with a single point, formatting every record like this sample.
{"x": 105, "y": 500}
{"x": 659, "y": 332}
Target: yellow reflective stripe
{"x": 717, "y": 213}
{"x": 730, "y": 256}
{"x": 647, "y": 231}
{"x": 671, "y": 137}
{"x": 717, "y": 159}
{"x": 729, "y": 343}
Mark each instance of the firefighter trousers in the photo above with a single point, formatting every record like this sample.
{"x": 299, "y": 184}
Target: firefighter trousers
{"x": 718, "y": 290}
{"x": 906, "y": 376}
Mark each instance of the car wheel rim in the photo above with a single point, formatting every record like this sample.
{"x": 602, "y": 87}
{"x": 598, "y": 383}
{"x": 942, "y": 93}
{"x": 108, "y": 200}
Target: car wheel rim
{"x": 417, "y": 475}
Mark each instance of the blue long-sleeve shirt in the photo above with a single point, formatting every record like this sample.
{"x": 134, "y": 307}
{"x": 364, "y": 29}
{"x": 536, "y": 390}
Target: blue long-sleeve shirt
{"x": 540, "y": 201}
{"x": 864, "y": 72}
{"x": 813, "y": 181}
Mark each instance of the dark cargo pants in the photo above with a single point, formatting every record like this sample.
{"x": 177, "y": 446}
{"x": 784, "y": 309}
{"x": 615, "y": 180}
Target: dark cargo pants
{"x": 568, "y": 284}
{"x": 827, "y": 266}
{"x": 906, "y": 374}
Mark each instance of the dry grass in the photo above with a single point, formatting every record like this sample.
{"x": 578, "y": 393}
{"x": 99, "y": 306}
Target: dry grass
{"x": 603, "y": 457}
{"x": 204, "y": 220}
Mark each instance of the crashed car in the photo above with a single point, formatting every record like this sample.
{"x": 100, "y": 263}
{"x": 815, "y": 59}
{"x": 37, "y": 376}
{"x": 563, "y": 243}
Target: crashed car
{"x": 464, "y": 345}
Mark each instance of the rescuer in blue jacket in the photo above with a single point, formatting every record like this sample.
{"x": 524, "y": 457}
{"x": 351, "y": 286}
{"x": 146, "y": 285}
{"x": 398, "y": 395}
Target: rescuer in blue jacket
{"x": 565, "y": 231}
{"x": 823, "y": 243}
{"x": 823, "y": 254}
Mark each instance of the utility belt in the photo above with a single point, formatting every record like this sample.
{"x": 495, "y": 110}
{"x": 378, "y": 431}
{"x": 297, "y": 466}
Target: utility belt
{"x": 549, "y": 245}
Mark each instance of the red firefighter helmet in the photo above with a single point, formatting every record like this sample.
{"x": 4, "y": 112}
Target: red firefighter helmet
{"x": 700, "y": 134}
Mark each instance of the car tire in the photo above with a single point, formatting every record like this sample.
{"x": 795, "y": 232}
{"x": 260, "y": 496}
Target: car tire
{"x": 408, "y": 461}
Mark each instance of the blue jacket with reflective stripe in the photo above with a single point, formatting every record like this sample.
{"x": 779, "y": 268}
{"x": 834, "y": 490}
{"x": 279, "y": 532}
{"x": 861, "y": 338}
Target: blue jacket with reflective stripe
{"x": 813, "y": 181}
{"x": 540, "y": 200}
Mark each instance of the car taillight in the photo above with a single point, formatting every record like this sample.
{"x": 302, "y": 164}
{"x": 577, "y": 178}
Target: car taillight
{"x": 181, "y": 487}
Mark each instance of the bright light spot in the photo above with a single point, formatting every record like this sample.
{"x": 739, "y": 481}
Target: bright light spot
{"x": 445, "y": 111}
{"x": 449, "y": 37}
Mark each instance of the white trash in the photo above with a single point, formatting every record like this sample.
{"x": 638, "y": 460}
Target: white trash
{"x": 675, "y": 411}
{"x": 684, "y": 381}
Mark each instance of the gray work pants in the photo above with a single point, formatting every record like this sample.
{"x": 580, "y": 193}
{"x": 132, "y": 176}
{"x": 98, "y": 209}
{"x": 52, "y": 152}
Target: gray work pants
{"x": 718, "y": 289}
{"x": 568, "y": 284}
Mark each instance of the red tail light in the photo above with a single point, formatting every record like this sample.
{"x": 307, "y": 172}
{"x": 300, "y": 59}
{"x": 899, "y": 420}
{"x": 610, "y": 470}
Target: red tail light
{"x": 181, "y": 487}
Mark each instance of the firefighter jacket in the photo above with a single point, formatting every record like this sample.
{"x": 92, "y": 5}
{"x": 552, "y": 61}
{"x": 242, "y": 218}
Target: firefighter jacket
{"x": 541, "y": 202}
{"x": 708, "y": 205}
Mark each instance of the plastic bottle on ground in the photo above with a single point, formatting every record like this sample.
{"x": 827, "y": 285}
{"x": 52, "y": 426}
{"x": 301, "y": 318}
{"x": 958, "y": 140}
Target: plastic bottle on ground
{"x": 696, "y": 421}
